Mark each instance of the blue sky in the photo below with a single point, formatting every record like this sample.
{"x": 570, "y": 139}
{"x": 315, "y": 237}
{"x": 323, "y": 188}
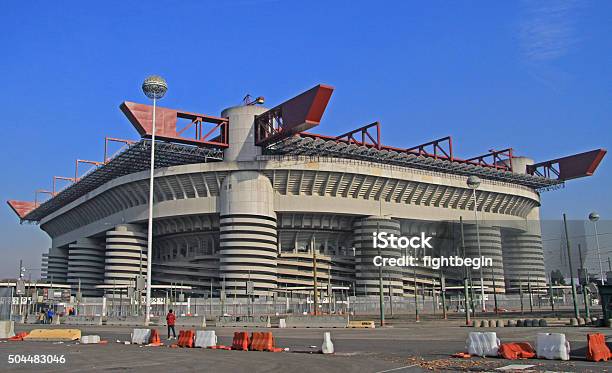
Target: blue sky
{"x": 535, "y": 76}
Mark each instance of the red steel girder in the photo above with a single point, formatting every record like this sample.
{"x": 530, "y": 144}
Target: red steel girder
{"x": 112, "y": 139}
{"x": 570, "y": 167}
{"x": 41, "y": 191}
{"x": 55, "y": 178}
{"x": 298, "y": 114}
{"x": 364, "y": 138}
{"x": 498, "y": 159}
{"x": 439, "y": 148}
{"x": 79, "y": 161}
{"x": 140, "y": 115}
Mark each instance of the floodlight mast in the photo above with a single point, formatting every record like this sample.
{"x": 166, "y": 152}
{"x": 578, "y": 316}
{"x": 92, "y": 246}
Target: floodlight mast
{"x": 154, "y": 87}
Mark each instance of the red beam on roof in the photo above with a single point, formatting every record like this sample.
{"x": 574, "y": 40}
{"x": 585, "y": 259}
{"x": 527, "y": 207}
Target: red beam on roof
{"x": 298, "y": 114}
{"x": 112, "y": 139}
{"x": 366, "y": 139}
{"x": 141, "y": 115}
{"x": 499, "y": 159}
{"x": 570, "y": 167}
{"x": 439, "y": 148}
{"x": 79, "y": 161}
{"x": 21, "y": 208}
{"x": 56, "y": 178}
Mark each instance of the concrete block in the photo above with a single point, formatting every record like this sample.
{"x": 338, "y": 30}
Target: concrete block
{"x": 573, "y": 321}
{"x": 7, "y": 329}
{"x": 542, "y": 323}
{"x": 520, "y": 323}
{"x": 141, "y": 336}
{"x": 243, "y": 321}
{"x": 323, "y": 321}
{"x": 195, "y": 321}
{"x": 484, "y": 323}
{"x": 482, "y": 344}
{"x": 476, "y": 323}
{"x": 90, "y": 339}
{"x": 511, "y": 323}
{"x": 282, "y": 323}
{"x": 83, "y": 320}
{"x": 205, "y": 338}
{"x": 552, "y": 346}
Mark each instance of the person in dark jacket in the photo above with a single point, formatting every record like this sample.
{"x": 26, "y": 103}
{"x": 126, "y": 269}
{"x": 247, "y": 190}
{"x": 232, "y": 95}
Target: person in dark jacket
{"x": 170, "y": 320}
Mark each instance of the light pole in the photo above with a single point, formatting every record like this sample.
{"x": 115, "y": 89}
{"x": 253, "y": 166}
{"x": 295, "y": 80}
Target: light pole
{"x": 154, "y": 87}
{"x": 473, "y": 182}
{"x": 594, "y": 217}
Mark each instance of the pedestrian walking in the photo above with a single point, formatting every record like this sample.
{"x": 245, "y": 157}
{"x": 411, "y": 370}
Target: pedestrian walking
{"x": 170, "y": 320}
{"x": 50, "y": 315}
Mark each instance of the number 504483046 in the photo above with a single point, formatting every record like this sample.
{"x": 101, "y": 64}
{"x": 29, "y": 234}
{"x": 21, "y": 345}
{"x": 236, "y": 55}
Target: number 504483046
{"x": 36, "y": 359}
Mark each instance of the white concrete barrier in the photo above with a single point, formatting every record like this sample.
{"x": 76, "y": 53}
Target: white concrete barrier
{"x": 90, "y": 339}
{"x": 141, "y": 336}
{"x": 82, "y": 320}
{"x": 7, "y": 329}
{"x": 482, "y": 343}
{"x": 552, "y": 346}
{"x": 131, "y": 320}
{"x": 243, "y": 321}
{"x": 205, "y": 338}
{"x": 195, "y": 321}
{"x": 323, "y": 321}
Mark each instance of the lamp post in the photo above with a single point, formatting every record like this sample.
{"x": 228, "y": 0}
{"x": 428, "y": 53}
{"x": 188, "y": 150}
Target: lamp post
{"x": 473, "y": 182}
{"x": 154, "y": 87}
{"x": 594, "y": 217}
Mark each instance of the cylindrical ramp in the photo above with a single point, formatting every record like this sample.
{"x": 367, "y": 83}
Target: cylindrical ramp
{"x": 523, "y": 259}
{"x": 248, "y": 247}
{"x": 367, "y": 275}
{"x": 490, "y": 247}
{"x": 126, "y": 255}
{"x": 55, "y": 267}
{"x": 86, "y": 266}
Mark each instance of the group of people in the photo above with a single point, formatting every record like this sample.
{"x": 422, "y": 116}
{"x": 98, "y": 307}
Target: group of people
{"x": 46, "y": 316}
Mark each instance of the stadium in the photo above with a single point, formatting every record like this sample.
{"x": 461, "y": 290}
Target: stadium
{"x": 253, "y": 202}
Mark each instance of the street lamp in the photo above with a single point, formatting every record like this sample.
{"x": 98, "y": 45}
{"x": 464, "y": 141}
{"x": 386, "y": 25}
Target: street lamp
{"x": 473, "y": 182}
{"x": 154, "y": 87}
{"x": 594, "y": 217}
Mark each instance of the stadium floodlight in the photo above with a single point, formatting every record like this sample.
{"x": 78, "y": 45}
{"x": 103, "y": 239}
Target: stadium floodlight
{"x": 473, "y": 182}
{"x": 594, "y": 218}
{"x": 154, "y": 87}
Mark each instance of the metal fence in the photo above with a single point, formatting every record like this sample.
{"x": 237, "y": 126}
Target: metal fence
{"x": 370, "y": 305}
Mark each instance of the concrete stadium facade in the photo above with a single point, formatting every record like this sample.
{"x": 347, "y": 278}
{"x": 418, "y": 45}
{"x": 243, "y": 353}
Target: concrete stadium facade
{"x": 257, "y": 217}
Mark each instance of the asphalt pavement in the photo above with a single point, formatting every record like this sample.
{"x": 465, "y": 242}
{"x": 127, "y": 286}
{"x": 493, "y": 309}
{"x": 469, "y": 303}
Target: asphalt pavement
{"x": 411, "y": 348}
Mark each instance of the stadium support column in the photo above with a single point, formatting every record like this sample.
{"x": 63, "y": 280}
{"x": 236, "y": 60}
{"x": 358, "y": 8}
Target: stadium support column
{"x": 55, "y": 267}
{"x": 248, "y": 234}
{"x": 524, "y": 257}
{"x": 366, "y": 273}
{"x": 126, "y": 255}
{"x": 490, "y": 247}
{"x": 86, "y": 265}
{"x": 247, "y": 223}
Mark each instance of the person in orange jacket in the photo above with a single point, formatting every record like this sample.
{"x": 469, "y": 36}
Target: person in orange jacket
{"x": 170, "y": 320}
